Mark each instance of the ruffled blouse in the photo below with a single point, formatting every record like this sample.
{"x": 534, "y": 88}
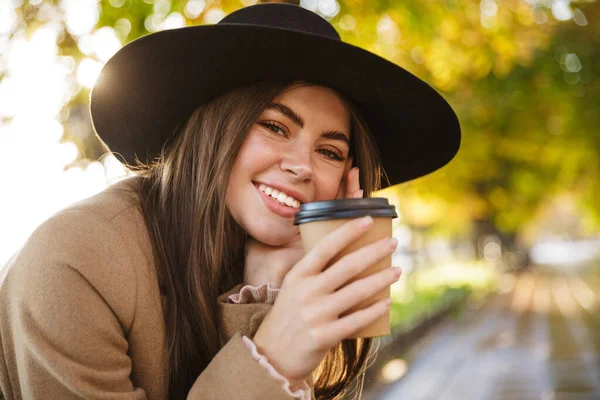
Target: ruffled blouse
{"x": 267, "y": 295}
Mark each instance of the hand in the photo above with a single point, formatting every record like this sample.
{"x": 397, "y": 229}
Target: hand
{"x": 268, "y": 264}
{"x": 304, "y": 323}
{"x": 350, "y": 185}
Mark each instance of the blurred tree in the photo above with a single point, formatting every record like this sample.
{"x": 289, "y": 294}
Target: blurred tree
{"x": 522, "y": 77}
{"x": 528, "y": 136}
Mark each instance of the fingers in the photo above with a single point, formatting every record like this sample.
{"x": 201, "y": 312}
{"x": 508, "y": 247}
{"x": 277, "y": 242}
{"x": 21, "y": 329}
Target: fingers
{"x": 342, "y": 328}
{"x": 362, "y": 289}
{"x": 353, "y": 264}
{"x": 316, "y": 259}
{"x": 353, "y": 184}
{"x": 343, "y": 189}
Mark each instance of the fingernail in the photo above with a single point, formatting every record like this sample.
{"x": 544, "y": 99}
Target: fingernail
{"x": 397, "y": 271}
{"x": 365, "y": 222}
{"x": 388, "y": 302}
{"x": 358, "y": 194}
{"x": 393, "y": 243}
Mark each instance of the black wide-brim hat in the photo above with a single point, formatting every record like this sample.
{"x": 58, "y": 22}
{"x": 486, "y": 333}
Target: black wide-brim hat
{"x": 153, "y": 84}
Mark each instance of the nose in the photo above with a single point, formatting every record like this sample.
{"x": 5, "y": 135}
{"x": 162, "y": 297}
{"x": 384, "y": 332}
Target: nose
{"x": 297, "y": 162}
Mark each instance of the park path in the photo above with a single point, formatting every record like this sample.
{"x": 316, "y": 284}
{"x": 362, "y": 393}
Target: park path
{"x": 539, "y": 341}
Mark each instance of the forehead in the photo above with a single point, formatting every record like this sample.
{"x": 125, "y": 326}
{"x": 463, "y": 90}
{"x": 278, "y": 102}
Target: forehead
{"x": 317, "y": 104}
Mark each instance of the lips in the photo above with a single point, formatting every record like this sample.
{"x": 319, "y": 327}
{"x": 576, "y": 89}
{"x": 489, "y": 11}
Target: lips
{"x": 281, "y": 197}
{"x": 289, "y": 191}
{"x": 274, "y": 206}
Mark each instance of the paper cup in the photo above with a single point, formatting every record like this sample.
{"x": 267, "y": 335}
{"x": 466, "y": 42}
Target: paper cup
{"x": 318, "y": 219}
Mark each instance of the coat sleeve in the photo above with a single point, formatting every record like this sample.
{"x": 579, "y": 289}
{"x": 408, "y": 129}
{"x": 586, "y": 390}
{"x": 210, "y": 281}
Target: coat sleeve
{"x": 234, "y": 374}
{"x": 67, "y": 302}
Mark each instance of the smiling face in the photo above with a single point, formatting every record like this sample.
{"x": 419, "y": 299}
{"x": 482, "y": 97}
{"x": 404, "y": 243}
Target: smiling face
{"x": 297, "y": 150}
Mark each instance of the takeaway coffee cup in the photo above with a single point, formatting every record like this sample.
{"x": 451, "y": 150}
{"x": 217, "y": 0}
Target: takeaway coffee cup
{"x": 319, "y": 218}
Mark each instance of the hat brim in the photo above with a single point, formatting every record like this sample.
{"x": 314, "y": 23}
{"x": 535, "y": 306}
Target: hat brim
{"x": 153, "y": 84}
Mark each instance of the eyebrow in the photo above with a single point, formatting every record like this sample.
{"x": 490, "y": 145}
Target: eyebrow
{"x": 297, "y": 119}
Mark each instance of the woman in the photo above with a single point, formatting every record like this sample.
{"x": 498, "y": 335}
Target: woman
{"x": 164, "y": 285}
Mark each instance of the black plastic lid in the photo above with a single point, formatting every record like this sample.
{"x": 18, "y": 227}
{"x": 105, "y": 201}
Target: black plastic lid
{"x": 346, "y": 208}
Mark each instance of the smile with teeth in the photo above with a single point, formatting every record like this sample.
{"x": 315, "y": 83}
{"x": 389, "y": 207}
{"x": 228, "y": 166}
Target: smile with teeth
{"x": 281, "y": 197}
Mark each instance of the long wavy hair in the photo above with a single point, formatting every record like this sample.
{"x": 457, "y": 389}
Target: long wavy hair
{"x": 199, "y": 248}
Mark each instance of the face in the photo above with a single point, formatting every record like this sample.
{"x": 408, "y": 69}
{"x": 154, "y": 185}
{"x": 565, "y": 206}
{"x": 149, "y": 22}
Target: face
{"x": 296, "y": 150}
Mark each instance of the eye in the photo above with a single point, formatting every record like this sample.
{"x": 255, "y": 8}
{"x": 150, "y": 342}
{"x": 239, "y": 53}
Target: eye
{"x": 272, "y": 126}
{"x": 331, "y": 154}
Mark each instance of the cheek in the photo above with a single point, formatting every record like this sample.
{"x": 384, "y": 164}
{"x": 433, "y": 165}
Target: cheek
{"x": 232, "y": 195}
{"x": 254, "y": 155}
{"x": 237, "y": 179}
{"x": 328, "y": 185}
{"x": 257, "y": 153}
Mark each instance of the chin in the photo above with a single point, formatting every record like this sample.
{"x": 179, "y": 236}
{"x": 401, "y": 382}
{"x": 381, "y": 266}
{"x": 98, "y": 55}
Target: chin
{"x": 275, "y": 237}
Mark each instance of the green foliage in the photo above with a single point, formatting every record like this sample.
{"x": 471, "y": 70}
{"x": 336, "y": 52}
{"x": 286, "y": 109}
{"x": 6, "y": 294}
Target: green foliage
{"x": 135, "y": 11}
{"x": 528, "y": 134}
{"x": 525, "y": 93}
{"x": 425, "y": 302}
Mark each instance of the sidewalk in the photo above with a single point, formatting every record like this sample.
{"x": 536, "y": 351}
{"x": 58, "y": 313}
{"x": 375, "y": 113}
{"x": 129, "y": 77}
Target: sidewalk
{"x": 541, "y": 341}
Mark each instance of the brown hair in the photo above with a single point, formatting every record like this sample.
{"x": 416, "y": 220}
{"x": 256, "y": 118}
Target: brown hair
{"x": 199, "y": 248}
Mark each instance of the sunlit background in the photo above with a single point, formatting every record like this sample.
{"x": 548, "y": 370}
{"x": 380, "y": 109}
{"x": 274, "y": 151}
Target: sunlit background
{"x": 521, "y": 74}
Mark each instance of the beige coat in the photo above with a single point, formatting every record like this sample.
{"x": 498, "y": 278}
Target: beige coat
{"x": 81, "y": 315}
